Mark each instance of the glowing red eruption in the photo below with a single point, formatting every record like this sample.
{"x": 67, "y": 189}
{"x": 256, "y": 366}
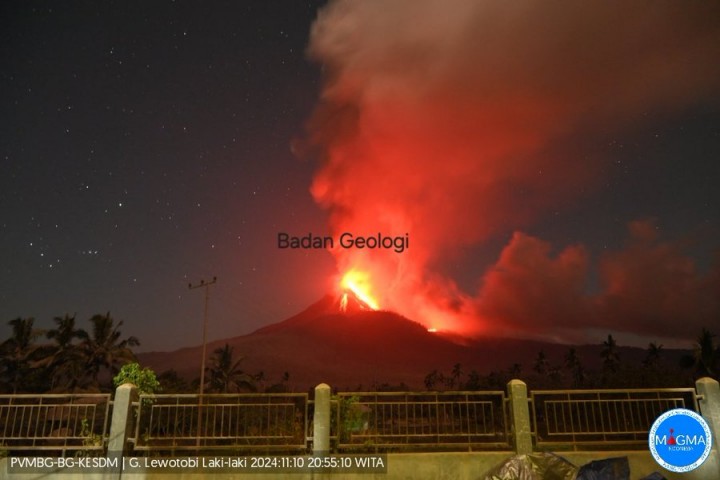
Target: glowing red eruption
{"x": 462, "y": 125}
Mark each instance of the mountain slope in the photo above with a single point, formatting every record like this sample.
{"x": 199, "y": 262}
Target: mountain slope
{"x": 361, "y": 347}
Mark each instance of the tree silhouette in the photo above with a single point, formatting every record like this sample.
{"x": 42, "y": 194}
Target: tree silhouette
{"x": 104, "y": 348}
{"x": 66, "y": 361}
{"x": 432, "y": 379}
{"x": 572, "y": 362}
{"x": 705, "y": 356}
{"x": 652, "y": 355}
{"x": 225, "y": 375}
{"x": 610, "y": 356}
{"x": 455, "y": 375}
{"x": 611, "y": 361}
{"x": 19, "y": 356}
{"x": 542, "y": 365}
{"x": 653, "y": 372}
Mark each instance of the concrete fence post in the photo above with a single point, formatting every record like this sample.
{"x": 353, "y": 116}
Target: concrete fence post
{"x": 321, "y": 420}
{"x": 709, "y": 390}
{"x": 121, "y": 423}
{"x": 520, "y": 416}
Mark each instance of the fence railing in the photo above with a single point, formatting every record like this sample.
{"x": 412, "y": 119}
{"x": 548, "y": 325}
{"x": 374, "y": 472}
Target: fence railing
{"x": 221, "y": 422}
{"x": 349, "y": 421}
{"x": 403, "y": 420}
{"x": 59, "y": 422}
{"x": 577, "y": 419}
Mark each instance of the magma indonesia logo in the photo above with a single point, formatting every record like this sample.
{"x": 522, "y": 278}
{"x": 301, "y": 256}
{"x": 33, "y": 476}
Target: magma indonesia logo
{"x": 680, "y": 440}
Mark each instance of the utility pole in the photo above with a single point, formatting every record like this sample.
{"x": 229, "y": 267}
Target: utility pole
{"x": 206, "y": 285}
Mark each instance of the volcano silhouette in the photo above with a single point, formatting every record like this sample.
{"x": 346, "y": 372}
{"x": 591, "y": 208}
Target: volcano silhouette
{"x": 339, "y": 340}
{"x": 358, "y": 347}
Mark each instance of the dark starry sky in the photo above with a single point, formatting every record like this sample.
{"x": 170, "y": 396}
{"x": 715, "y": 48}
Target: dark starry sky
{"x": 147, "y": 145}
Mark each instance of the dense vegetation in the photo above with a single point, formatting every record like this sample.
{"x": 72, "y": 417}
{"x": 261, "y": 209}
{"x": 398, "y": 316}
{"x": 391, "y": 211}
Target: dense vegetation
{"x": 654, "y": 371}
{"x": 71, "y": 359}
{"x": 67, "y": 358}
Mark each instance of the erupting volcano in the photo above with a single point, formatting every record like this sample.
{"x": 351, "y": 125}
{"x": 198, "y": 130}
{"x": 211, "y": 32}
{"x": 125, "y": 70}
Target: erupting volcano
{"x": 355, "y": 294}
{"x": 428, "y": 131}
{"x": 350, "y": 302}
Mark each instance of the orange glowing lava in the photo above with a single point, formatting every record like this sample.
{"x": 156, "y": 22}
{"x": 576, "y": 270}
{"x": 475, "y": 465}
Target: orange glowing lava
{"x": 358, "y": 283}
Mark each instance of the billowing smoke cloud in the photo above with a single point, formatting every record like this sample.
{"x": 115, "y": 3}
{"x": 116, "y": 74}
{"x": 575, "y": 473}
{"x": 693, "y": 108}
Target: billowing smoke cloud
{"x": 529, "y": 292}
{"x": 653, "y": 286}
{"x": 649, "y": 286}
{"x": 456, "y": 121}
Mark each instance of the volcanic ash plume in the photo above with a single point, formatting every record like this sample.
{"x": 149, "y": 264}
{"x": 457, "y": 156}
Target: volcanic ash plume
{"x": 457, "y": 121}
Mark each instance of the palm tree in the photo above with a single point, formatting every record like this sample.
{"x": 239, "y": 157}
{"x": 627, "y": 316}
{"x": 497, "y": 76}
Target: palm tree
{"x": 705, "y": 356}
{"x": 611, "y": 361}
{"x": 542, "y": 365}
{"x": 433, "y": 378}
{"x": 455, "y": 375}
{"x": 652, "y": 356}
{"x": 226, "y": 375}
{"x": 19, "y": 355}
{"x": 104, "y": 349}
{"x": 66, "y": 361}
{"x": 610, "y": 356}
{"x": 652, "y": 375}
{"x": 572, "y": 362}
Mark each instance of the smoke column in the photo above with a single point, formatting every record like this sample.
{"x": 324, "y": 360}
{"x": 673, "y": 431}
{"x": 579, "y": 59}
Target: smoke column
{"x": 457, "y": 121}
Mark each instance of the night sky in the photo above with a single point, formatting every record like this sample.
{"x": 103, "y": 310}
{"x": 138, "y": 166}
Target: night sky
{"x": 148, "y": 145}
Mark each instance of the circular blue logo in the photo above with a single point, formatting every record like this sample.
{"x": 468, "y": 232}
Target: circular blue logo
{"x": 680, "y": 440}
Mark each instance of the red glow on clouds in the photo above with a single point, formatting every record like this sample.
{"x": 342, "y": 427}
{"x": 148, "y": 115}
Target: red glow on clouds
{"x": 528, "y": 290}
{"x": 456, "y": 125}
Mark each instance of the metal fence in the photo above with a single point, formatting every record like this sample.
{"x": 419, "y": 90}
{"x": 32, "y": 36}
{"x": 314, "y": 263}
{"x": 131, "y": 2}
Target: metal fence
{"x": 417, "y": 421}
{"x": 59, "y": 422}
{"x": 578, "y": 419}
{"x": 237, "y": 422}
{"x": 359, "y": 421}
